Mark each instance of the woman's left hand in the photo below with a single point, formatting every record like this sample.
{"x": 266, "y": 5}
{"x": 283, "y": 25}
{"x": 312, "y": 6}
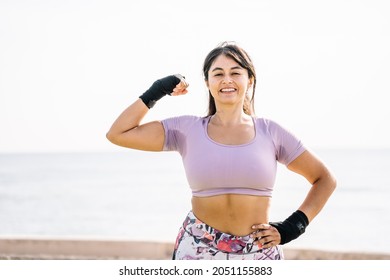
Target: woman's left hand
{"x": 266, "y": 235}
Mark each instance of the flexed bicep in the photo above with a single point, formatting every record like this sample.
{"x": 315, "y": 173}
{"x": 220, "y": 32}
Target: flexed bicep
{"x": 127, "y": 131}
{"x": 146, "y": 137}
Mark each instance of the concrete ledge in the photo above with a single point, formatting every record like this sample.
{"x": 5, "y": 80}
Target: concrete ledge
{"x": 37, "y": 248}
{"x": 65, "y": 249}
{"x": 306, "y": 254}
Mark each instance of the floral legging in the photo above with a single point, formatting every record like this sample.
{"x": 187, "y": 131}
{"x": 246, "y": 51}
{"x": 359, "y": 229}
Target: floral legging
{"x": 199, "y": 241}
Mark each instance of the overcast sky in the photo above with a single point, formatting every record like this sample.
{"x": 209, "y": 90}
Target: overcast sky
{"x": 68, "y": 68}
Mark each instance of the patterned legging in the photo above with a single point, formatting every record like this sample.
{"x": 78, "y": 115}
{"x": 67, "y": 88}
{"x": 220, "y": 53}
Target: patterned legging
{"x": 199, "y": 241}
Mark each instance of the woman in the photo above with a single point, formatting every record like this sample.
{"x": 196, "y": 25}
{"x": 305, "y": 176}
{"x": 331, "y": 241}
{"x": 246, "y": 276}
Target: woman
{"x": 230, "y": 159}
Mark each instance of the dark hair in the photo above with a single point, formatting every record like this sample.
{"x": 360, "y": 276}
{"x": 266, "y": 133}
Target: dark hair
{"x": 233, "y": 51}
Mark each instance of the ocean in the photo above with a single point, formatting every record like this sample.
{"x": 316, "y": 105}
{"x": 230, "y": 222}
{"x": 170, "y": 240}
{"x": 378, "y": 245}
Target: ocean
{"x": 135, "y": 195}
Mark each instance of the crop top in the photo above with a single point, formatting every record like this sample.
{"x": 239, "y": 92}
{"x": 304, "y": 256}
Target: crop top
{"x": 213, "y": 168}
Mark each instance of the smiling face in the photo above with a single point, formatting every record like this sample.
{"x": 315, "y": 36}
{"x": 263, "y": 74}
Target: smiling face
{"x": 229, "y": 57}
{"x": 228, "y": 82}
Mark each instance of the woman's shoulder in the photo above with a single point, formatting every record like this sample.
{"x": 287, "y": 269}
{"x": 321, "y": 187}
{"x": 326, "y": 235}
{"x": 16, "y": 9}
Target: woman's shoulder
{"x": 264, "y": 121}
{"x": 187, "y": 118}
{"x": 183, "y": 121}
{"x": 269, "y": 125}
{"x": 277, "y": 131}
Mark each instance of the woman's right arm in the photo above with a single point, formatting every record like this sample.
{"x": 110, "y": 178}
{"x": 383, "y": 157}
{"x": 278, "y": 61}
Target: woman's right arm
{"x": 127, "y": 130}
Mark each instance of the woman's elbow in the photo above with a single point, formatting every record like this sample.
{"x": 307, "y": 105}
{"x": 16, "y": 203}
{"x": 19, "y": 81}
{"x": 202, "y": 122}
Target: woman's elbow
{"x": 332, "y": 182}
{"x": 327, "y": 180}
{"x": 112, "y": 137}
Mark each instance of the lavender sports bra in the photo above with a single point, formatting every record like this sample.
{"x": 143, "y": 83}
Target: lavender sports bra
{"x": 213, "y": 168}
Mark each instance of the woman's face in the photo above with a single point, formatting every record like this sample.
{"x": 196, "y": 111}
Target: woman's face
{"x": 227, "y": 81}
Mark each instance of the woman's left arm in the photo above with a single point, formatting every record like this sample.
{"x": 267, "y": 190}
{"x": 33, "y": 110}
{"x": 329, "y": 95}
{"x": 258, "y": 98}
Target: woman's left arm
{"x": 323, "y": 183}
{"x": 319, "y": 176}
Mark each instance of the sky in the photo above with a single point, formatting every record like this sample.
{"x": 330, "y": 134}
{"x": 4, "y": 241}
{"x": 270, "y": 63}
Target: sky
{"x": 69, "y": 68}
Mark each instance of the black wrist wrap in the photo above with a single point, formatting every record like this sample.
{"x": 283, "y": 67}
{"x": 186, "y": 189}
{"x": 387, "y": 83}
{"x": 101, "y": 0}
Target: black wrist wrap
{"x": 159, "y": 89}
{"x": 292, "y": 227}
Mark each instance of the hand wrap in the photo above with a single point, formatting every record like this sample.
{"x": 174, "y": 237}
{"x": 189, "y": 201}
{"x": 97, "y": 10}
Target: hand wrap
{"x": 159, "y": 89}
{"x": 292, "y": 227}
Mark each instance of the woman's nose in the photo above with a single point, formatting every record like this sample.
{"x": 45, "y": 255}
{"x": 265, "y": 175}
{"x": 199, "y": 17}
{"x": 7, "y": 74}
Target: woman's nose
{"x": 227, "y": 79}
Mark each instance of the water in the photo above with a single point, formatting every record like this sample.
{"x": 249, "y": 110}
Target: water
{"x": 144, "y": 196}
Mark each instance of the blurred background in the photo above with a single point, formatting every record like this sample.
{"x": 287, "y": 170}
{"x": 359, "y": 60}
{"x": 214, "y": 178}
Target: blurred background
{"x": 68, "y": 69}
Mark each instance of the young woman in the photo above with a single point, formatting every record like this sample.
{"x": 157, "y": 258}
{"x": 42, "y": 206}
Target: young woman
{"x": 230, "y": 158}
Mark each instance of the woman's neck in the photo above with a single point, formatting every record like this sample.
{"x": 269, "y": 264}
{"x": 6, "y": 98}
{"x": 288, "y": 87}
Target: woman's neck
{"x": 229, "y": 117}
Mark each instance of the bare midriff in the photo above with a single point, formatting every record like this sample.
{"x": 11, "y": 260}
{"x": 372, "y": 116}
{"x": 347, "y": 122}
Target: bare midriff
{"x": 232, "y": 213}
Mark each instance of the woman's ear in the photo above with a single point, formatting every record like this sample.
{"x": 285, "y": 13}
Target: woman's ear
{"x": 251, "y": 81}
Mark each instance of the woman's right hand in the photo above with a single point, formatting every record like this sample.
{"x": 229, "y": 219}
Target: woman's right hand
{"x": 181, "y": 88}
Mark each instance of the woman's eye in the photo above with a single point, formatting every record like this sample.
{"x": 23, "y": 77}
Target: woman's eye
{"x": 236, "y": 73}
{"x": 219, "y": 74}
